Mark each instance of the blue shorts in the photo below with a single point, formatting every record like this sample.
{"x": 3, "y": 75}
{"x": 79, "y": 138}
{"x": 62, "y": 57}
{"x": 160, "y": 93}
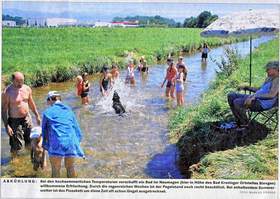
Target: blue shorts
{"x": 179, "y": 88}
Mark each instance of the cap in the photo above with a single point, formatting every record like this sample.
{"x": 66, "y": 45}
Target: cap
{"x": 52, "y": 94}
{"x": 35, "y": 132}
{"x": 272, "y": 64}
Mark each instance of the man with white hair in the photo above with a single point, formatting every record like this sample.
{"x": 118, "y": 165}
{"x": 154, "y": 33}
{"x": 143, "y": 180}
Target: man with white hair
{"x": 16, "y": 101}
{"x": 262, "y": 99}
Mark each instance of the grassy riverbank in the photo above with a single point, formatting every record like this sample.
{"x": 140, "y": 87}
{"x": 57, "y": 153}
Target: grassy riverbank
{"x": 59, "y": 54}
{"x": 254, "y": 161}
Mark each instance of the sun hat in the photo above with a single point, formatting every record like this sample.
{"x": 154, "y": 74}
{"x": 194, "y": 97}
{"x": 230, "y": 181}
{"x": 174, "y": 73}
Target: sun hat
{"x": 35, "y": 132}
{"x": 272, "y": 64}
{"x": 52, "y": 94}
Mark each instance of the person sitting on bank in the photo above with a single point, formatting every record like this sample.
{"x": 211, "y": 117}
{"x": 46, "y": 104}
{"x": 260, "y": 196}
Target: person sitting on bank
{"x": 263, "y": 98}
{"x": 16, "y": 104}
{"x": 61, "y": 135}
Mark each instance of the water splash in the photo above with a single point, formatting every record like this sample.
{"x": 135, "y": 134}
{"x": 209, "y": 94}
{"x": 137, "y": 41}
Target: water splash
{"x": 129, "y": 98}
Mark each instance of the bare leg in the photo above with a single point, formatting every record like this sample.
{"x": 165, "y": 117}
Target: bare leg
{"x": 178, "y": 98}
{"x": 172, "y": 91}
{"x": 167, "y": 92}
{"x": 182, "y": 99}
{"x": 56, "y": 165}
{"x": 132, "y": 81}
{"x": 83, "y": 100}
{"x": 69, "y": 165}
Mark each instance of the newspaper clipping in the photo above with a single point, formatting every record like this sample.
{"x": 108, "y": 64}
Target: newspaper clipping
{"x": 140, "y": 99}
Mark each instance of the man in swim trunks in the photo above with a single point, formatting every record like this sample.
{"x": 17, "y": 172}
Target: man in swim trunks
{"x": 16, "y": 101}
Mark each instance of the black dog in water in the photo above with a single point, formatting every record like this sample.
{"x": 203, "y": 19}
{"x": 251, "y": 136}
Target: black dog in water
{"x": 117, "y": 105}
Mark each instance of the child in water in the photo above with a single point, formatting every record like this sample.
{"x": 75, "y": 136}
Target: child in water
{"x": 180, "y": 85}
{"x": 170, "y": 78}
{"x": 115, "y": 72}
{"x": 105, "y": 81}
{"x": 143, "y": 65}
{"x": 130, "y": 73}
{"x": 180, "y": 62}
{"x": 205, "y": 50}
{"x": 79, "y": 85}
{"x": 85, "y": 91}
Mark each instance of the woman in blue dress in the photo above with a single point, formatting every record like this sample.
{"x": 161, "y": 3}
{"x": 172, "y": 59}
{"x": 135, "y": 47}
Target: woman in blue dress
{"x": 61, "y": 135}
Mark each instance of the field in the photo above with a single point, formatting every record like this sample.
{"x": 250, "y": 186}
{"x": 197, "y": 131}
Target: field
{"x": 251, "y": 161}
{"x": 59, "y": 54}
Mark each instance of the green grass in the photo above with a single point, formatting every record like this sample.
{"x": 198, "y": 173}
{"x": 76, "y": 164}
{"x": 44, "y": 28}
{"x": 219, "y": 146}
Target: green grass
{"x": 256, "y": 161}
{"x": 58, "y": 54}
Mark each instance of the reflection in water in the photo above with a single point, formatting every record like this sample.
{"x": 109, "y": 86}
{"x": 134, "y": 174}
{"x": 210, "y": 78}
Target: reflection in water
{"x": 134, "y": 146}
{"x": 164, "y": 165}
{"x": 203, "y": 66}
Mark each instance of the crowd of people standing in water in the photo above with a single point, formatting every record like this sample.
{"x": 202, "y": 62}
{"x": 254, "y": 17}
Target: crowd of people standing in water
{"x": 17, "y": 101}
{"x": 176, "y": 76}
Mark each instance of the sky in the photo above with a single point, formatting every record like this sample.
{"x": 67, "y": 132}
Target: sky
{"x": 89, "y": 11}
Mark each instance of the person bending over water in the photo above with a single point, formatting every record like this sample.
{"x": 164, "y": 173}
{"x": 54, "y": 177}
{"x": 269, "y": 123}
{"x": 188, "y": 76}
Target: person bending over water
{"x": 180, "y": 85}
{"x": 170, "y": 77}
{"x": 86, "y": 85}
{"x": 16, "y": 102}
{"x": 61, "y": 135}
{"x": 105, "y": 81}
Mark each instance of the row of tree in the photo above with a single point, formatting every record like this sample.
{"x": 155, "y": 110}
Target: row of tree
{"x": 204, "y": 19}
{"x": 148, "y": 20}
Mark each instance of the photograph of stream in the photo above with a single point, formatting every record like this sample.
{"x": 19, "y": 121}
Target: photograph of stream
{"x": 51, "y": 43}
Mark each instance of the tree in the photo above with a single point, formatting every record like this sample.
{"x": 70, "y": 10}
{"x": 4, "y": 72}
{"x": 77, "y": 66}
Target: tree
{"x": 157, "y": 20}
{"x": 202, "y": 17}
{"x": 190, "y": 22}
{"x": 203, "y": 20}
{"x": 178, "y": 25}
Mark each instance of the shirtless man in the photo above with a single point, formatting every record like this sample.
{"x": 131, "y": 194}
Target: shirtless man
{"x": 16, "y": 101}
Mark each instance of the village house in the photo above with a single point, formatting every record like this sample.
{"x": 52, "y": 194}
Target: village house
{"x": 8, "y": 23}
{"x": 51, "y": 22}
